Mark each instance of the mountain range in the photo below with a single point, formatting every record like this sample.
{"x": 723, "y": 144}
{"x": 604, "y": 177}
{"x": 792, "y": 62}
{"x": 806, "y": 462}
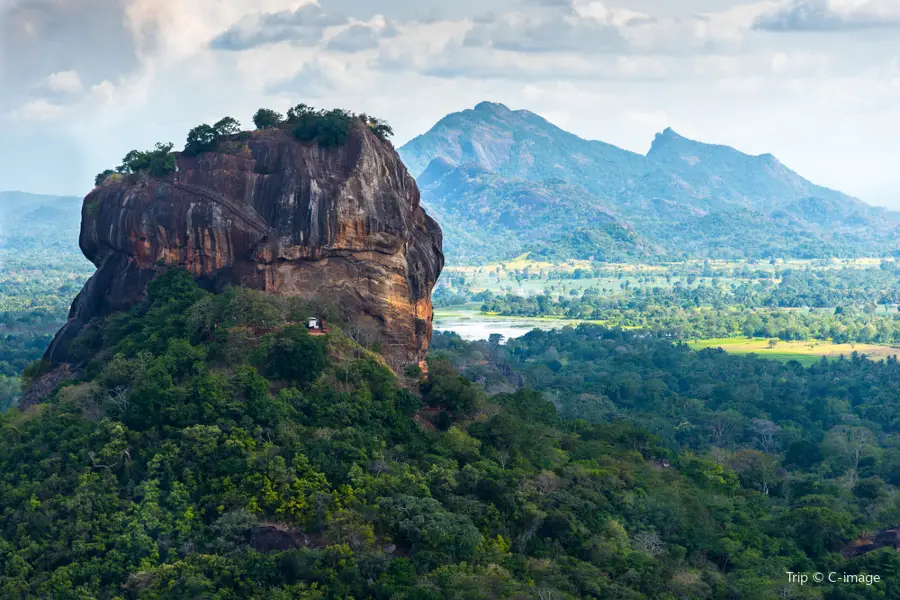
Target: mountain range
{"x": 503, "y": 182}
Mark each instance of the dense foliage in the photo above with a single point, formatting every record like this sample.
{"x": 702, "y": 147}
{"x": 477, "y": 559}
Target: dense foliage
{"x": 158, "y": 162}
{"x": 210, "y": 449}
{"x": 704, "y": 322}
{"x": 330, "y": 128}
{"x": 327, "y": 128}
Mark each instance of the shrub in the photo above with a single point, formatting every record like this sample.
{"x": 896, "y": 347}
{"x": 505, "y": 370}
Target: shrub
{"x": 378, "y": 127}
{"x": 330, "y": 128}
{"x": 305, "y": 128}
{"x": 162, "y": 161}
{"x": 35, "y": 370}
{"x": 176, "y": 285}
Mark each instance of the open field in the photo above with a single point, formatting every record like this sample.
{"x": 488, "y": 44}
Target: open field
{"x": 805, "y": 352}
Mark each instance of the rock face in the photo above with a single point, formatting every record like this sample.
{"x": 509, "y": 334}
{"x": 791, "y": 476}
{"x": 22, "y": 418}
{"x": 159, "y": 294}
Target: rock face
{"x": 340, "y": 225}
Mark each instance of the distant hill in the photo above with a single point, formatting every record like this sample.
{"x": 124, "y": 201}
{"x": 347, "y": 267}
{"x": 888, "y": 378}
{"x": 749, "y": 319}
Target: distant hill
{"x": 484, "y": 214}
{"x": 509, "y": 181}
{"x": 39, "y": 222}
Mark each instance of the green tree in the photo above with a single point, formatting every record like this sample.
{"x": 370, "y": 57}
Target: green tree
{"x": 202, "y": 138}
{"x": 99, "y": 179}
{"x": 266, "y": 118}
{"x": 299, "y": 112}
{"x": 158, "y": 162}
{"x": 227, "y": 126}
{"x": 446, "y": 388}
{"x": 379, "y": 127}
{"x": 296, "y": 356}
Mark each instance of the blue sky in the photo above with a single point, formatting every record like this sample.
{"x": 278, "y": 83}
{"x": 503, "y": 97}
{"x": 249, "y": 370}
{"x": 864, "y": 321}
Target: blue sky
{"x": 815, "y": 82}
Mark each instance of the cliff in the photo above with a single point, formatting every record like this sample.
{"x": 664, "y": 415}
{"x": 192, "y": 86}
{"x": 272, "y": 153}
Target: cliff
{"x": 341, "y": 225}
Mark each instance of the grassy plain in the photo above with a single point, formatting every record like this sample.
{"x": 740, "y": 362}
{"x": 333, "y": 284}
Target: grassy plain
{"x": 805, "y": 352}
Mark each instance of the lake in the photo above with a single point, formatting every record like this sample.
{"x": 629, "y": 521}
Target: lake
{"x": 470, "y": 324}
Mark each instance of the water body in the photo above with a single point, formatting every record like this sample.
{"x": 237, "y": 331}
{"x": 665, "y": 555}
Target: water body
{"x": 471, "y": 325}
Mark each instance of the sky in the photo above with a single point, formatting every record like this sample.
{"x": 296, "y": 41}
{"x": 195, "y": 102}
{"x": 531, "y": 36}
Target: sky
{"x": 814, "y": 82}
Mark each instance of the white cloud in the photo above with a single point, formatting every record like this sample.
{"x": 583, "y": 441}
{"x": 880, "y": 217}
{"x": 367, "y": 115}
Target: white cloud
{"x": 358, "y": 38}
{"x": 64, "y": 82}
{"x": 44, "y": 109}
{"x": 605, "y": 70}
{"x": 304, "y": 26}
{"x": 38, "y": 110}
{"x": 594, "y": 27}
{"x": 831, "y": 15}
{"x": 102, "y": 92}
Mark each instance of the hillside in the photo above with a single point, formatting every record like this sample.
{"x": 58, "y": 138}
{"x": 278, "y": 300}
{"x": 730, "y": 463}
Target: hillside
{"x": 683, "y": 199}
{"x": 514, "y": 213}
{"x": 209, "y": 449}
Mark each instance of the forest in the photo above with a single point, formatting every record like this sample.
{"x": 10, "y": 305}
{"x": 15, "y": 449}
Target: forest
{"x": 206, "y": 450}
{"x": 41, "y": 271}
{"x": 817, "y": 301}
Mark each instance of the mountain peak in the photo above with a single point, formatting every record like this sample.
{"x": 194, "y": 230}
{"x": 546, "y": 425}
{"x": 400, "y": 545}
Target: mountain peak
{"x": 668, "y": 135}
{"x": 492, "y": 107}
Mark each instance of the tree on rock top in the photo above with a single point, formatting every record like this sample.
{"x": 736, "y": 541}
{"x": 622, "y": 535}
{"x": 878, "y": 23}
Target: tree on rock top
{"x": 266, "y": 118}
{"x": 205, "y": 138}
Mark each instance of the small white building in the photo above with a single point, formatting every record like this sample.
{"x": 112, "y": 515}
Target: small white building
{"x": 313, "y": 323}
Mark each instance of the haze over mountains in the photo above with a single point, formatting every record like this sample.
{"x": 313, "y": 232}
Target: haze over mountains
{"x": 36, "y": 222}
{"x": 503, "y": 182}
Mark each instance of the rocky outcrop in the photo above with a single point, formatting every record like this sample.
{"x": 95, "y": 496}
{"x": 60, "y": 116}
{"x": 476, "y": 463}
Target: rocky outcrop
{"x": 340, "y": 225}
